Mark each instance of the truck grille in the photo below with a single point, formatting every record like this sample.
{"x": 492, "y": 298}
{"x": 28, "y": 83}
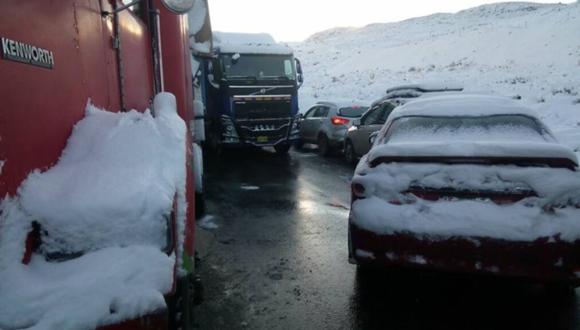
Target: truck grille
{"x": 263, "y": 122}
{"x": 262, "y": 110}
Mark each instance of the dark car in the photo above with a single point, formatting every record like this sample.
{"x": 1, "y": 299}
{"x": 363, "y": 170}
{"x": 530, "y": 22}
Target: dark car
{"x": 468, "y": 184}
{"x": 357, "y": 142}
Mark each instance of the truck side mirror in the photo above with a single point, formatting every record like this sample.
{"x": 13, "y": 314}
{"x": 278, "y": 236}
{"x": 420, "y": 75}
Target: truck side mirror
{"x": 299, "y": 76}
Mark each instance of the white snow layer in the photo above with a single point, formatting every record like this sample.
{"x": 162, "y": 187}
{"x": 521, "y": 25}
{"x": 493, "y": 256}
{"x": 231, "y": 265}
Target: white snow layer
{"x": 526, "y": 220}
{"x": 197, "y": 16}
{"x": 249, "y": 43}
{"x": 107, "y": 197}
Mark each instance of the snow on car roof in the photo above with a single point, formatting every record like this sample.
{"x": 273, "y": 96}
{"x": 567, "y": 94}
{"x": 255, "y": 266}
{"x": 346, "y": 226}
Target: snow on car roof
{"x": 462, "y": 105}
{"x": 249, "y": 43}
{"x": 428, "y": 87}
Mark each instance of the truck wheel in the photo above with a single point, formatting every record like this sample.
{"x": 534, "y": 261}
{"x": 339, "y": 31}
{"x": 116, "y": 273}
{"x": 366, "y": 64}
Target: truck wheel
{"x": 323, "y": 146}
{"x": 299, "y": 144}
{"x": 181, "y": 305}
{"x": 349, "y": 153}
{"x": 199, "y": 205}
{"x": 282, "y": 149}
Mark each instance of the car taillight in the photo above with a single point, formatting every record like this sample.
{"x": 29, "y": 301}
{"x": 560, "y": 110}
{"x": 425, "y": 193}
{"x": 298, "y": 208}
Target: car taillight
{"x": 509, "y": 199}
{"x": 358, "y": 191}
{"x": 427, "y": 195}
{"x": 339, "y": 121}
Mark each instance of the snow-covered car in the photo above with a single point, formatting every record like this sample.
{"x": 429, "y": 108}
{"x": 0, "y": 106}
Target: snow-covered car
{"x": 468, "y": 183}
{"x": 326, "y": 123}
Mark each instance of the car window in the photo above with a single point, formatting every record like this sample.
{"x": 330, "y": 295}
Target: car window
{"x": 352, "y": 112}
{"x": 371, "y": 117}
{"x": 385, "y": 110}
{"x": 321, "y": 112}
{"x": 310, "y": 113}
{"x": 477, "y": 128}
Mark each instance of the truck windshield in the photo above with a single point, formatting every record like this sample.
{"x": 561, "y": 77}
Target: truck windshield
{"x": 259, "y": 66}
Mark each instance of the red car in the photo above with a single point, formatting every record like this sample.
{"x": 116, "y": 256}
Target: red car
{"x": 468, "y": 184}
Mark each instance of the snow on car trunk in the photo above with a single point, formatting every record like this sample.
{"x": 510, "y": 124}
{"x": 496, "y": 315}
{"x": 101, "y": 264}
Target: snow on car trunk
{"x": 108, "y": 200}
{"x": 464, "y": 201}
{"x": 468, "y": 165}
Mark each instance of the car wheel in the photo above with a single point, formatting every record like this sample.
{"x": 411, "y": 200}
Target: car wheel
{"x": 282, "y": 149}
{"x": 349, "y": 153}
{"x": 323, "y": 146}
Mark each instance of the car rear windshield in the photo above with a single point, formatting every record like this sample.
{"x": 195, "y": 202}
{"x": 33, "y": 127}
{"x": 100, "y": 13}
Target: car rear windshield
{"x": 352, "y": 112}
{"x": 511, "y": 128}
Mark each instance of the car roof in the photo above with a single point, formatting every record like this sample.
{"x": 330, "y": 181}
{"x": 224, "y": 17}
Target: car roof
{"x": 428, "y": 87}
{"x": 462, "y": 105}
{"x": 340, "y": 104}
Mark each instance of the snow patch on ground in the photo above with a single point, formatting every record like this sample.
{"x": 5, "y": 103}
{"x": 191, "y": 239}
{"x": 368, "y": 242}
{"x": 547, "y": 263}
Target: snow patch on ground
{"x": 207, "y": 222}
{"x": 108, "y": 198}
{"x": 249, "y": 187}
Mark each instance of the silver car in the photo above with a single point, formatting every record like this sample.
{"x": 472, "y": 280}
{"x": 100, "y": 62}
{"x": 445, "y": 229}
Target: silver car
{"x": 326, "y": 124}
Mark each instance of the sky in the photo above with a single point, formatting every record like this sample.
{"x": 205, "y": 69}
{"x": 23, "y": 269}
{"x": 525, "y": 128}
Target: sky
{"x": 298, "y": 19}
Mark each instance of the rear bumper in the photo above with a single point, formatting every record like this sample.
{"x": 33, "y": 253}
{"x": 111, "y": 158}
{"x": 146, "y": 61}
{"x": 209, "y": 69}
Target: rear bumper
{"x": 538, "y": 260}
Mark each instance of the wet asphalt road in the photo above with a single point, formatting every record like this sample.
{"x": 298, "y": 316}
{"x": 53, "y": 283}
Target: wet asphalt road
{"x": 278, "y": 260}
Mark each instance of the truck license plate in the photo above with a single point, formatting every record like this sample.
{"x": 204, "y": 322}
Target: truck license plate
{"x": 262, "y": 139}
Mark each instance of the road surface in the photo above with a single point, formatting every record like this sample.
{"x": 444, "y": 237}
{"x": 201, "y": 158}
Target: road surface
{"x": 278, "y": 260}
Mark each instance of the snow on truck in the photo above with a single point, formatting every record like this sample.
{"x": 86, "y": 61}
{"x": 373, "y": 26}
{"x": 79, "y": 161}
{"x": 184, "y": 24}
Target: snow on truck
{"x": 252, "y": 92}
{"x": 96, "y": 206}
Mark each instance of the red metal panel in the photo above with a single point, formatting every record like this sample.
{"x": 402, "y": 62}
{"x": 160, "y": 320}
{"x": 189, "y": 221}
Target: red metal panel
{"x": 178, "y": 80}
{"x": 40, "y": 106}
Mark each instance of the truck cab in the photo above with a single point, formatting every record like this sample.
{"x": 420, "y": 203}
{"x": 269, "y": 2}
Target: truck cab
{"x": 253, "y": 92}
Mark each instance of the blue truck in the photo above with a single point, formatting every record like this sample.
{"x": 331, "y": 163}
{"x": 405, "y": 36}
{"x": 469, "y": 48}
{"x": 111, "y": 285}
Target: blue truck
{"x": 251, "y": 92}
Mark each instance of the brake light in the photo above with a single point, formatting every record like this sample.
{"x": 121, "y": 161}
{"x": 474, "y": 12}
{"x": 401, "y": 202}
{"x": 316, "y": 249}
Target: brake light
{"x": 339, "y": 121}
{"x": 358, "y": 191}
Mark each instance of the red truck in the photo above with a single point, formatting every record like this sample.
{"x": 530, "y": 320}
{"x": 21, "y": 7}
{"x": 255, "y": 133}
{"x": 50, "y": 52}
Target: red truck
{"x": 56, "y": 55}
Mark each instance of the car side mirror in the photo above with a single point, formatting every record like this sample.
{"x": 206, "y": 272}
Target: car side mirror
{"x": 356, "y": 123}
{"x": 373, "y": 137}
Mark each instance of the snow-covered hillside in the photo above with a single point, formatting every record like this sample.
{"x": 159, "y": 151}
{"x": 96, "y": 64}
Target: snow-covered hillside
{"x": 526, "y": 49}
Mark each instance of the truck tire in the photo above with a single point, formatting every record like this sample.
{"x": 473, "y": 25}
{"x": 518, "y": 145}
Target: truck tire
{"x": 199, "y": 205}
{"x": 181, "y": 304}
{"x": 323, "y": 146}
{"x": 282, "y": 149}
{"x": 299, "y": 144}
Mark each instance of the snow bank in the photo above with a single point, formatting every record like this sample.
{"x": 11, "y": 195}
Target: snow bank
{"x": 249, "y": 43}
{"x": 114, "y": 183}
{"x": 108, "y": 197}
{"x": 99, "y": 288}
